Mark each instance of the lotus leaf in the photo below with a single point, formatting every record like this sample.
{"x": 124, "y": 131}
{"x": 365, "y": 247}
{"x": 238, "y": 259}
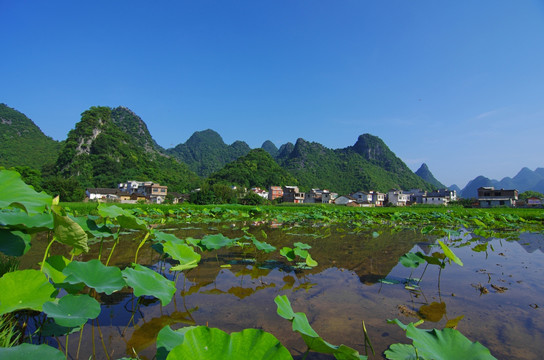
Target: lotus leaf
{"x": 24, "y": 289}
{"x": 217, "y": 241}
{"x": 14, "y": 243}
{"x": 14, "y": 192}
{"x": 167, "y": 339}
{"x": 302, "y": 246}
{"x": 213, "y": 344}
{"x": 310, "y": 262}
{"x": 90, "y": 226}
{"x": 17, "y": 219}
{"x": 72, "y": 310}
{"x": 450, "y": 254}
{"x": 183, "y": 253}
{"x": 131, "y": 222}
{"x": 68, "y": 232}
{"x": 94, "y": 274}
{"x": 263, "y": 246}
{"x": 411, "y": 260}
{"x": 288, "y": 253}
{"x": 162, "y": 236}
{"x": 27, "y": 351}
{"x": 111, "y": 211}
{"x": 145, "y": 281}
{"x": 53, "y": 267}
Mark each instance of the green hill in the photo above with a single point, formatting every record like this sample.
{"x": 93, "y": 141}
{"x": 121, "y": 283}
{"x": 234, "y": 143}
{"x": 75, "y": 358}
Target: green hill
{"x": 256, "y": 169}
{"x": 368, "y": 165}
{"x": 426, "y": 174}
{"x": 22, "y": 143}
{"x": 205, "y": 152}
{"x": 98, "y": 153}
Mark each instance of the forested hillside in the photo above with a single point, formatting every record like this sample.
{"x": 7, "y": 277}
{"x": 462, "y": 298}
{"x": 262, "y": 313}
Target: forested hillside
{"x": 22, "y": 143}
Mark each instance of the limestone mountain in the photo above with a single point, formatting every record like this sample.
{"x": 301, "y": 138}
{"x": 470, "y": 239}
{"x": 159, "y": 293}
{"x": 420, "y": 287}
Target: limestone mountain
{"x": 284, "y": 151}
{"x": 205, "y": 152}
{"x": 98, "y": 153}
{"x": 22, "y": 143}
{"x": 256, "y": 169}
{"x": 426, "y": 174}
{"x": 368, "y": 165}
{"x": 270, "y": 148}
{"x": 132, "y": 125}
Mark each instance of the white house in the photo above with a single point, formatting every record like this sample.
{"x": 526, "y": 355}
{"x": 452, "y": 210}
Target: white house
{"x": 344, "y": 200}
{"x": 397, "y": 197}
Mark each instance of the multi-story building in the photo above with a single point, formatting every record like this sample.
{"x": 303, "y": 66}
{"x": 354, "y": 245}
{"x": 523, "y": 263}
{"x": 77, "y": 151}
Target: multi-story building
{"x": 491, "y": 197}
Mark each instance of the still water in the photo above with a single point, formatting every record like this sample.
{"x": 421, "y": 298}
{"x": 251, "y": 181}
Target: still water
{"x": 498, "y": 292}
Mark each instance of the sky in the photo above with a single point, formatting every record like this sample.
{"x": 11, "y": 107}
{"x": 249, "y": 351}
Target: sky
{"x": 458, "y": 85}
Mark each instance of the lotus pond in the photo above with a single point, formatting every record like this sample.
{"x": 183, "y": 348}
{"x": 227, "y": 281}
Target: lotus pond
{"x": 158, "y": 282}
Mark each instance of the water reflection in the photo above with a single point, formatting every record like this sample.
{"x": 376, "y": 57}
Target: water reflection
{"x": 337, "y": 295}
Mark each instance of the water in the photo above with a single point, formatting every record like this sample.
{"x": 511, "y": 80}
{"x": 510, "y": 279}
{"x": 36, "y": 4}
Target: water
{"x": 498, "y": 293}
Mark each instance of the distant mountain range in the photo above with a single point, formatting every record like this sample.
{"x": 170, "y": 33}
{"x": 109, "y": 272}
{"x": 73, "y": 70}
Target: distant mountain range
{"x": 525, "y": 180}
{"x": 110, "y": 145}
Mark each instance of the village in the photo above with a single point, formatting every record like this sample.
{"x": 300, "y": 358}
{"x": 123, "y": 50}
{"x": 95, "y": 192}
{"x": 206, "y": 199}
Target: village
{"x": 150, "y": 192}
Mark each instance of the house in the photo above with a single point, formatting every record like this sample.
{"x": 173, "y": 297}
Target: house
{"x": 261, "y": 192}
{"x": 275, "y": 192}
{"x": 328, "y": 197}
{"x": 345, "y": 200}
{"x": 534, "y": 201}
{"x": 292, "y": 194}
{"x": 154, "y": 192}
{"x": 439, "y": 197}
{"x": 378, "y": 198}
{"x": 491, "y": 197}
{"x": 102, "y": 194}
{"x": 318, "y": 196}
{"x": 415, "y": 196}
{"x": 362, "y": 198}
{"x": 397, "y": 197}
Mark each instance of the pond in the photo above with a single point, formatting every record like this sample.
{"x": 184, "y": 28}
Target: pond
{"x": 496, "y": 297}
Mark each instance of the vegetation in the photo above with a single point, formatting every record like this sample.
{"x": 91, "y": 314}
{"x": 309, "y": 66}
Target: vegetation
{"x": 256, "y": 169}
{"x": 528, "y": 194}
{"x": 22, "y": 143}
{"x": 97, "y": 153}
{"x": 205, "y": 152}
{"x": 426, "y": 174}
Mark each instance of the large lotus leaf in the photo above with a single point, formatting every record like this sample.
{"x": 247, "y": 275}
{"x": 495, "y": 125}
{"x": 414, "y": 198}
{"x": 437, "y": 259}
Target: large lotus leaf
{"x": 68, "y": 232}
{"x": 162, "y": 236}
{"x": 14, "y": 192}
{"x": 446, "y": 344}
{"x": 263, "y": 246}
{"x": 167, "y": 339}
{"x": 53, "y": 267}
{"x": 17, "y": 219}
{"x": 216, "y": 241}
{"x": 72, "y": 310}
{"x": 94, "y": 274}
{"x": 28, "y": 351}
{"x": 111, "y": 211}
{"x": 411, "y": 260}
{"x": 90, "y": 226}
{"x": 213, "y": 344}
{"x": 183, "y": 253}
{"x": 145, "y": 281}
{"x": 24, "y": 289}
{"x": 131, "y": 222}
{"x": 14, "y": 243}
{"x": 450, "y": 254}
{"x": 401, "y": 352}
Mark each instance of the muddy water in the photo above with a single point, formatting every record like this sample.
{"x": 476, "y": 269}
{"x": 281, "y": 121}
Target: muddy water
{"x": 497, "y": 293}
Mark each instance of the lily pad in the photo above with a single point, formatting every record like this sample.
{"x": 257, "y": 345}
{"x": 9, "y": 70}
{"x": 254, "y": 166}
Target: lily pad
{"x": 145, "y": 281}
{"x": 24, "y": 289}
{"x": 216, "y": 241}
{"x": 28, "y": 351}
{"x": 72, "y": 310}
{"x": 14, "y": 192}
{"x": 213, "y": 344}
{"x": 183, "y": 253}
{"x": 94, "y": 274}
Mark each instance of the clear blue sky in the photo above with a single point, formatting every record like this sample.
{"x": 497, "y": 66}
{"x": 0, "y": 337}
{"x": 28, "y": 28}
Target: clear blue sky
{"x": 458, "y": 85}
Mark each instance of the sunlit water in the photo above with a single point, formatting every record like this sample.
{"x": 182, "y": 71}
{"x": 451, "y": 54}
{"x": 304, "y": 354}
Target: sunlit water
{"x": 498, "y": 293}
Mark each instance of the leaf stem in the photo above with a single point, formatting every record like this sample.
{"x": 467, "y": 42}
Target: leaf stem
{"x": 47, "y": 252}
{"x": 139, "y": 246}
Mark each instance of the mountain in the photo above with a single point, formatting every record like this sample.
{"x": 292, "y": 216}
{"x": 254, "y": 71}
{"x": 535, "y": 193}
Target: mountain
{"x": 270, "y": 148}
{"x": 455, "y": 188}
{"x": 471, "y": 190}
{"x": 424, "y": 173}
{"x": 284, "y": 151}
{"x": 22, "y": 143}
{"x": 132, "y": 125}
{"x": 205, "y": 152}
{"x": 368, "y": 165}
{"x": 524, "y": 180}
{"x": 256, "y": 169}
{"x": 98, "y": 153}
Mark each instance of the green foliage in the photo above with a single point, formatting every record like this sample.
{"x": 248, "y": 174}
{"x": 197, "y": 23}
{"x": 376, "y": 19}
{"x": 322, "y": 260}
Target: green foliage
{"x": 145, "y": 281}
{"x": 72, "y": 310}
{"x": 205, "y": 152}
{"x": 22, "y": 143}
{"x": 528, "y": 194}
{"x": 35, "y": 292}
{"x": 256, "y": 169}
{"x": 215, "y": 194}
